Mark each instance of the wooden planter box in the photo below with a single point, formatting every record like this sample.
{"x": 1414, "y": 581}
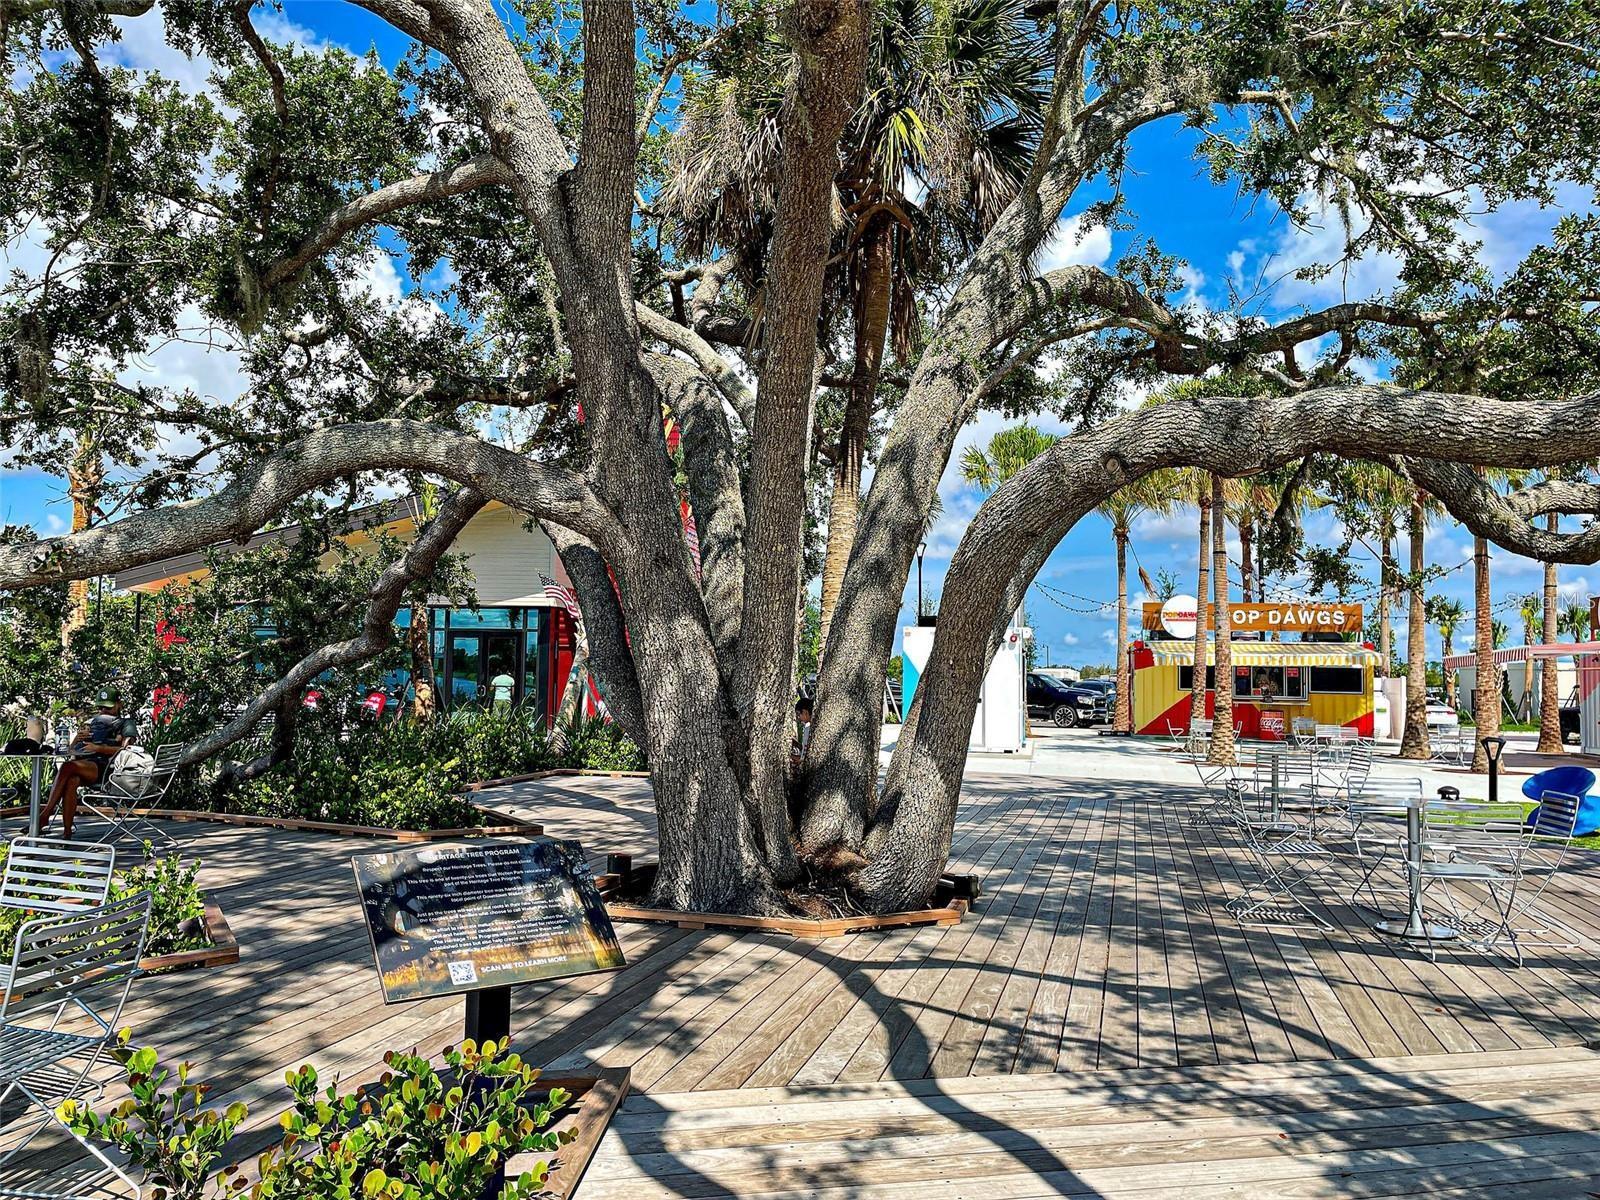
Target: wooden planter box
{"x": 505, "y": 826}
{"x": 598, "y": 1097}
{"x": 224, "y": 948}
{"x": 952, "y": 900}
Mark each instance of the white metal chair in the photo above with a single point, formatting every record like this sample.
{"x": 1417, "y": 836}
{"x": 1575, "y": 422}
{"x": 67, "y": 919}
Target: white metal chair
{"x": 1289, "y": 862}
{"x": 48, "y": 875}
{"x": 117, "y": 801}
{"x": 79, "y": 965}
{"x": 1450, "y": 744}
{"x": 1508, "y": 865}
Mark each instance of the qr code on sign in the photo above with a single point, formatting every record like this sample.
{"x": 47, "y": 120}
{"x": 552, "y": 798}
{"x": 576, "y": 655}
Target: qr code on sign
{"x": 463, "y": 972}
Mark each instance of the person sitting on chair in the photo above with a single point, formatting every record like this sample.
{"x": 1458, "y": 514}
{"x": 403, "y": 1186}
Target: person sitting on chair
{"x": 92, "y": 750}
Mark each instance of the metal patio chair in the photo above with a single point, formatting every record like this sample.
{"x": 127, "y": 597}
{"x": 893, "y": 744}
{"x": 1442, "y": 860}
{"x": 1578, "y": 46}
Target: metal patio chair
{"x": 1289, "y": 863}
{"x": 70, "y": 976}
{"x": 48, "y": 875}
{"x": 118, "y": 804}
{"x": 1215, "y": 780}
{"x": 1451, "y": 744}
{"x": 1512, "y": 866}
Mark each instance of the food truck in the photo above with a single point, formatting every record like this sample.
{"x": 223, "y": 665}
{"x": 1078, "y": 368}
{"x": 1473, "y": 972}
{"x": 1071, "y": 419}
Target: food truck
{"x": 1275, "y": 683}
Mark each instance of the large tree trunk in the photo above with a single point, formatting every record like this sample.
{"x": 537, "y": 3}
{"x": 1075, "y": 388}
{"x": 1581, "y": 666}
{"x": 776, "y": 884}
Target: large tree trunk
{"x": 830, "y": 39}
{"x": 1247, "y": 570}
{"x": 424, "y": 688}
{"x": 874, "y": 289}
{"x": 1414, "y": 740}
{"x": 85, "y": 475}
{"x": 1550, "y": 740}
{"x": 1385, "y": 632}
{"x": 1222, "y": 743}
{"x": 1197, "y": 685}
{"x": 1124, "y": 719}
{"x": 842, "y": 763}
{"x": 1486, "y": 676}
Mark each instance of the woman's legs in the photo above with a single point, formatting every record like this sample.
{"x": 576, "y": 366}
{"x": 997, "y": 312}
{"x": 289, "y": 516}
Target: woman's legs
{"x": 72, "y": 776}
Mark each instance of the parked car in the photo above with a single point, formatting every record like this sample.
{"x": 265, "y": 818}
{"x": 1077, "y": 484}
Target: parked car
{"x": 1570, "y": 714}
{"x": 1066, "y": 704}
{"x": 1442, "y": 716}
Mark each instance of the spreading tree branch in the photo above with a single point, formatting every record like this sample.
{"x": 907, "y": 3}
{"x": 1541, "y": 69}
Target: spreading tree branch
{"x": 260, "y": 493}
{"x": 480, "y": 171}
{"x": 609, "y": 657}
{"x": 377, "y": 627}
{"x": 712, "y": 365}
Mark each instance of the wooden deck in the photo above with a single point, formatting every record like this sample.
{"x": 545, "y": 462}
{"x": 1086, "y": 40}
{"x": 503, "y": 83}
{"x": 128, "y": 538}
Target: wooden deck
{"x": 1100, "y": 945}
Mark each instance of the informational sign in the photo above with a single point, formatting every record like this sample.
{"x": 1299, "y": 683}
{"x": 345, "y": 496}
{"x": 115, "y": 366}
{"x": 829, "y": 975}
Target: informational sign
{"x": 1177, "y": 616}
{"x": 452, "y": 920}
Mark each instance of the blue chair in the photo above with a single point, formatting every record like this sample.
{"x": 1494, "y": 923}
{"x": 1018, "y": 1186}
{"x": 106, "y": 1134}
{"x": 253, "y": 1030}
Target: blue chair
{"x": 1571, "y": 781}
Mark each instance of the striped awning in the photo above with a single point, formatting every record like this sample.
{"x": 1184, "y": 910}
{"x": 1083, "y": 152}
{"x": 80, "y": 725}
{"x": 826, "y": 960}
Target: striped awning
{"x": 1514, "y": 654}
{"x": 1269, "y": 654}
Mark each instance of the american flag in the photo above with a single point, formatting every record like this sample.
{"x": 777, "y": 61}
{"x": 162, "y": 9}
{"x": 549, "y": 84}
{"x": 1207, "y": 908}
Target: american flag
{"x": 559, "y": 593}
{"x": 691, "y": 533}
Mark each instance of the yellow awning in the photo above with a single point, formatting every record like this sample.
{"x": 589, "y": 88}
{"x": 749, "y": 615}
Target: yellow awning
{"x": 1269, "y": 654}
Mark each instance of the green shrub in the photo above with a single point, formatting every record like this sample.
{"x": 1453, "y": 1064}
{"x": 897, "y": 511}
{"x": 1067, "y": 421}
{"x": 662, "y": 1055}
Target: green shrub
{"x": 404, "y": 775}
{"x": 421, "y": 1134}
{"x": 599, "y": 746}
{"x": 176, "y": 908}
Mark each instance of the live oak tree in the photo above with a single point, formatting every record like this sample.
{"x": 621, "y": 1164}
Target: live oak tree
{"x": 515, "y": 163}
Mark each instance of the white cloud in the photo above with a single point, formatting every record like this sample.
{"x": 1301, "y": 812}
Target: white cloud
{"x": 1070, "y": 243}
{"x": 1069, "y": 639}
{"x": 144, "y": 46}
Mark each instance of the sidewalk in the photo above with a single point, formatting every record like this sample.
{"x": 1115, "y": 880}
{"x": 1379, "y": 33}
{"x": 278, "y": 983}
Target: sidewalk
{"x": 1090, "y": 755}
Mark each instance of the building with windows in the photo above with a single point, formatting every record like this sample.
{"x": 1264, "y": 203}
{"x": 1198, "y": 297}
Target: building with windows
{"x": 517, "y": 635}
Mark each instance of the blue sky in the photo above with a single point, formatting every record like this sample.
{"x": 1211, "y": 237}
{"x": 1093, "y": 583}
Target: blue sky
{"x": 1224, "y": 236}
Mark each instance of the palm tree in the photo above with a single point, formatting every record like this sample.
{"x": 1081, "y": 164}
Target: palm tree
{"x": 953, "y": 112}
{"x": 1006, "y": 453}
{"x": 1550, "y": 739}
{"x": 1448, "y": 615}
{"x": 1256, "y": 501}
{"x": 1414, "y": 739}
{"x": 1198, "y": 484}
{"x": 1574, "y": 621}
{"x": 1156, "y": 493}
{"x": 85, "y": 478}
{"x": 1385, "y": 496}
{"x": 1486, "y": 707}
{"x": 1222, "y": 745}
{"x": 1531, "y": 609}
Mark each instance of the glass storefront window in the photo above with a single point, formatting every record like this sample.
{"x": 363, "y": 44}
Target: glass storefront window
{"x": 486, "y": 618}
{"x": 1270, "y": 682}
{"x": 465, "y": 668}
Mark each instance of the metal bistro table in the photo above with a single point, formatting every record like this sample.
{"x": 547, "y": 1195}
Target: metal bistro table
{"x": 1415, "y": 927}
{"x": 36, "y": 761}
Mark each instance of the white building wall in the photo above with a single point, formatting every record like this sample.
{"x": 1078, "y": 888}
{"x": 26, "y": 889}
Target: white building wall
{"x": 506, "y": 559}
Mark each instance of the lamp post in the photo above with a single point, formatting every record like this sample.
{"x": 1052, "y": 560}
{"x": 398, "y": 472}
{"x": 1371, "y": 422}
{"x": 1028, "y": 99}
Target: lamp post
{"x": 1493, "y": 747}
{"x": 922, "y": 548}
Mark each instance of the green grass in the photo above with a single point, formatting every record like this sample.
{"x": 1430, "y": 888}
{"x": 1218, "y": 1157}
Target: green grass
{"x": 1511, "y": 810}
